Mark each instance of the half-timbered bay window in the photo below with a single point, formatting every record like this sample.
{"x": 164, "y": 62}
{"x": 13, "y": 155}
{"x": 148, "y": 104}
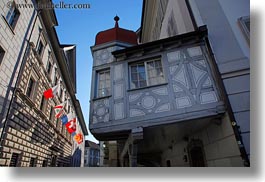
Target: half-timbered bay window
{"x": 103, "y": 83}
{"x": 148, "y": 73}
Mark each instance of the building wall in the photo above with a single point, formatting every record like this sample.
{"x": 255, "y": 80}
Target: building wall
{"x": 29, "y": 130}
{"x": 217, "y": 138}
{"x": 92, "y": 157}
{"x": 230, "y": 47}
{"x": 231, "y": 51}
{"x": 14, "y": 44}
{"x": 169, "y": 18}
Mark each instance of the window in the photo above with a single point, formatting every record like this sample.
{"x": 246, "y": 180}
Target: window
{"x": 52, "y": 114}
{"x": 32, "y": 162}
{"x": 2, "y": 53}
{"x": 30, "y": 88}
{"x": 14, "y": 160}
{"x": 168, "y": 163}
{"x": 54, "y": 161}
{"x": 103, "y": 83}
{"x": 12, "y": 16}
{"x": 55, "y": 76}
{"x": 146, "y": 74}
{"x": 196, "y": 153}
{"x": 45, "y": 163}
{"x": 43, "y": 104}
{"x": 49, "y": 67}
{"x": 40, "y": 48}
{"x": 244, "y": 23}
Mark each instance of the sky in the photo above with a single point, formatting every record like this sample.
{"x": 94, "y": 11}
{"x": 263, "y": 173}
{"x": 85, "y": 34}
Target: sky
{"x": 80, "y": 26}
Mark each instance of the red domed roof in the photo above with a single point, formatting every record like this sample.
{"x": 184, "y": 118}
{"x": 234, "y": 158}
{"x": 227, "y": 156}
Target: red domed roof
{"x": 116, "y": 33}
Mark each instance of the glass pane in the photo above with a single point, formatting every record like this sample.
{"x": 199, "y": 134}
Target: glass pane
{"x": 143, "y": 84}
{"x": 158, "y": 64}
{"x": 134, "y": 69}
{"x": 152, "y": 73}
{"x": 101, "y": 76}
{"x": 134, "y": 76}
{"x": 142, "y": 76}
{"x": 107, "y": 91}
{"x": 107, "y": 75}
{"x": 101, "y": 84}
{"x": 107, "y": 83}
{"x": 141, "y": 69}
{"x": 150, "y": 65}
{"x": 134, "y": 84}
{"x": 161, "y": 79}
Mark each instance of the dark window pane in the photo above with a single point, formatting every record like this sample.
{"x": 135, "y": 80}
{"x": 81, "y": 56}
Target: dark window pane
{"x": 143, "y": 84}
{"x": 14, "y": 160}
{"x": 40, "y": 48}
{"x": 30, "y": 87}
{"x": 141, "y": 69}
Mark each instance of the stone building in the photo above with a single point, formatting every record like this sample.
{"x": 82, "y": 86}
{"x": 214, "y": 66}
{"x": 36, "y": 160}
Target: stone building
{"x": 33, "y": 60}
{"x": 178, "y": 94}
{"x": 92, "y": 154}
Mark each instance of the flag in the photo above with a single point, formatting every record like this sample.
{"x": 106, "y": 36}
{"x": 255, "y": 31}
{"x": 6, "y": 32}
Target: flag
{"x": 50, "y": 93}
{"x": 71, "y": 126}
{"x": 59, "y": 110}
{"x": 66, "y": 118}
{"x": 78, "y": 138}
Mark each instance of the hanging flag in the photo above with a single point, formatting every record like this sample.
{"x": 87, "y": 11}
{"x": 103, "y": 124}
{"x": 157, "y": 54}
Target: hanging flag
{"x": 59, "y": 110}
{"x": 78, "y": 138}
{"x": 66, "y": 118}
{"x": 50, "y": 93}
{"x": 71, "y": 126}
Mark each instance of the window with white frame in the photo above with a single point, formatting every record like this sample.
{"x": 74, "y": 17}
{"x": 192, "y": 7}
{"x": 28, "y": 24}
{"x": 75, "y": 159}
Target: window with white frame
{"x": 12, "y": 16}
{"x": 103, "y": 83}
{"x": 148, "y": 73}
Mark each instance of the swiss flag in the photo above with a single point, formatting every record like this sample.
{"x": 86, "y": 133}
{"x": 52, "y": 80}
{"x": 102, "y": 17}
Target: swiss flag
{"x": 71, "y": 126}
{"x": 50, "y": 93}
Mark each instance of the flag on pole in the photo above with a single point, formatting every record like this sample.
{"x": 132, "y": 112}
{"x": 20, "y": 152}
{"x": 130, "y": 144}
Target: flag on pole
{"x": 78, "y": 138}
{"x": 59, "y": 110}
{"x": 71, "y": 126}
{"x": 66, "y": 118}
{"x": 50, "y": 93}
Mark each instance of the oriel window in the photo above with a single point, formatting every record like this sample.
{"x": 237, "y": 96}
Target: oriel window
{"x": 103, "y": 83}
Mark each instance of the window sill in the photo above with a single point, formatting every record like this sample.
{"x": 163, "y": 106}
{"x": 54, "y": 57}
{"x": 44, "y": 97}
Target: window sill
{"x": 151, "y": 86}
{"x": 99, "y": 98}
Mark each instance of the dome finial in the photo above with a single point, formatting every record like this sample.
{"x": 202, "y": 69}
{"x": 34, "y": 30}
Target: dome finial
{"x": 116, "y": 18}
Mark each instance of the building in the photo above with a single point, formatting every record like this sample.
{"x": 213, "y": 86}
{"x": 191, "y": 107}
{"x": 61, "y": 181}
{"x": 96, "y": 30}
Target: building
{"x": 92, "y": 154}
{"x": 178, "y": 93}
{"x": 33, "y": 60}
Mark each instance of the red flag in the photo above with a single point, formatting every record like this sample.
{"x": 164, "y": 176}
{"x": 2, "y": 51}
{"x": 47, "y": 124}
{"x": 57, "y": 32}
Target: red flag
{"x": 50, "y": 93}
